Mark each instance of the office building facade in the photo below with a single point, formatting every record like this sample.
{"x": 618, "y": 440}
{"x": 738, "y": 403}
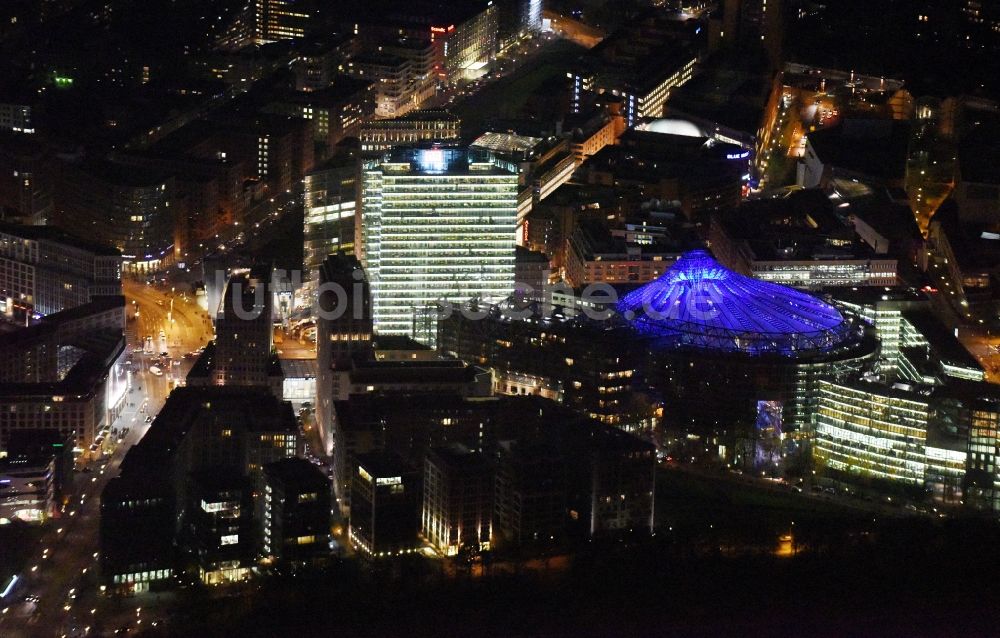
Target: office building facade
{"x": 458, "y": 499}
{"x": 343, "y": 330}
{"x": 218, "y": 528}
{"x": 425, "y": 125}
{"x": 437, "y": 223}
{"x": 330, "y": 200}
{"x": 934, "y": 444}
{"x": 127, "y": 207}
{"x": 385, "y": 506}
{"x": 44, "y": 270}
{"x": 872, "y": 430}
{"x": 275, "y": 20}
{"x": 530, "y": 503}
{"x": 27, "y": 489}
{"x": 188, "y": 492}
{"x": 243, "y": 333}
{"x": 293, "y": 518}
{"x": 65, "y": 373}
{"x": 641, "y": 63}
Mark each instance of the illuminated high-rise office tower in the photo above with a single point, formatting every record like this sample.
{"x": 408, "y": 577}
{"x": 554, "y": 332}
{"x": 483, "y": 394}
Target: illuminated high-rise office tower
{"x": 275, "y": 20}
{"x": 437, "y": 223}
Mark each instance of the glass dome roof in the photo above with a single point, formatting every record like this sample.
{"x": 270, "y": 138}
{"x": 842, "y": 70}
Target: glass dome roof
{"x": 699, "y": 303}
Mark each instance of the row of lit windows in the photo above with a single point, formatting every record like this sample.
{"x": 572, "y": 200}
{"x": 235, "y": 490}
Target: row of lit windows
{"x": 142, "y": 577}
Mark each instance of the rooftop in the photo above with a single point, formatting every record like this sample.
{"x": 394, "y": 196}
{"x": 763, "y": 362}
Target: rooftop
{"x": 441, "y": 13}
{"x": 413, "y": 371}
{"x": 458, "y": 457}
{"x": 57, "y": 235}
{"x": 80, "y": 382}
{"x": 299, "y": 368}
{"x": 803, "y": 226}
{"x": 809, "y": 77}
{"x": 441, "y": 159}
{"x": 979, "y": 149}
{"x": 377, "y": 58}
{"x": 872, "y": 147}
{"x": 595, "y": 241}
{"x": 506, "y": 142}
{"x": 700, "y": 304}
{"x": 525, "y": 255}
{"x": 125, "y": 176}
{"x": 296, "y": 471}
{"x": 383, "y": 464}
{"x": 942, "y": 340}
{"x": 642, "y": 53}
{"x": 249, "y": 407}
{"x": 723, "y": 93}
{"x": 874, "y": 294}
{"x": 650, "y": 156}
{"x": 48, "y": 324}
{"x": 338, "y": 265}
{"x": 974, "y": 245}
{"x": 398, "y": 342}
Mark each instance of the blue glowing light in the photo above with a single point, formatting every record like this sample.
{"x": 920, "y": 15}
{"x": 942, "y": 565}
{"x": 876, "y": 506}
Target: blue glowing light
{"x": 738, "y": 156}
{"x": 767, "y": 448}
{"x": 699, "y": 303}
{"x": 9, "y": 587}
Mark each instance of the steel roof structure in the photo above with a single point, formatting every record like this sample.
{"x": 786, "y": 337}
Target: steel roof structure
{"x": 699, "y": 303}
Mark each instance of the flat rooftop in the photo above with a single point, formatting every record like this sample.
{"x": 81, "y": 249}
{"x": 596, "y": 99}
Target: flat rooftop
{"x": 873, "y": 147}
{"x": 398, "y": 342}
{"x": 440, "y": 159}
{"x": 297, "y": 472}
{"x": 299, "y": 368}
{"x": 57, "y": 235}
{"x": 942, "y": 340}
{"x": 442, "y": 13}
{"x": 804, "y": 226}
{"x": 383, "y": 464}
{"x": 595, "y": 239}
{"x": 437, "y": 371}
{"x": 252, "y": 408}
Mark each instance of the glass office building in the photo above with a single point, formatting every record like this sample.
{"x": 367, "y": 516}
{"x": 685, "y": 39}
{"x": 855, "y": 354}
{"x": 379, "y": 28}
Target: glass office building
{"x": 437, "y": 223}
{"x": 872, "y": 430}
{"x": 330, "y": 202}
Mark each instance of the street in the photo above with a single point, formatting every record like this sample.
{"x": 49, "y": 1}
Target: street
{"x": 62, "y": 570}
{"x": 984, "y": 347}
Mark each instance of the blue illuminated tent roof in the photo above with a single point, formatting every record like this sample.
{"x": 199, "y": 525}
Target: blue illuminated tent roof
{"x": 699, "y": 303}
